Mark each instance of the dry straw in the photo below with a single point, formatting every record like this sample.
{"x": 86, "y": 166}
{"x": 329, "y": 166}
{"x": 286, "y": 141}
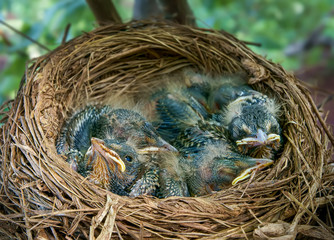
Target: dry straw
{"x": 41, "y": 197}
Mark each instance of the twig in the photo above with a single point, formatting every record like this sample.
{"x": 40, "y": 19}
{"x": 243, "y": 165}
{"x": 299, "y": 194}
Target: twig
{"x": 67, "y": 29}
{"x": 305, "y": 209}
{"x": 322, "y": 122}
{"x": 253, "y": 43}
{"x": 24, "y": 35}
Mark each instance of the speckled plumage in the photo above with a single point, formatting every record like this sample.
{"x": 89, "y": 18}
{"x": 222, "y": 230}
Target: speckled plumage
{"x": 209, "y": 160}
{"x": 177, "y": 110}
{"x": 75, "y": 135}
{"x": 99, "y": 141}
{"x": 249, "y": 117}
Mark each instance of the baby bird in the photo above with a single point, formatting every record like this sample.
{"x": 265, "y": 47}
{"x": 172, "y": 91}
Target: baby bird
{"x": 121, "y": 168}
{"x": 130, "y": 171}
{"x": 111, "y": 147}
{"x": 105, "y": 123}
{"x": 249, "y": 117}
{"x": 215, "y": 166}
{"x": 209, "y": 161}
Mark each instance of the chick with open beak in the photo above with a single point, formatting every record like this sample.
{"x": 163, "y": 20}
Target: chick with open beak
{"x": 127, "y": 170}
{"x": 120, "y": 167}
{"x": 100, "y": 162}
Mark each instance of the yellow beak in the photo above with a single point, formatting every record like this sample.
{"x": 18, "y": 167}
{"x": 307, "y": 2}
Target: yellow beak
{"x": 261, "y": 163}
{"x": 111, "y": 157}
{"x": 260, "y": 139}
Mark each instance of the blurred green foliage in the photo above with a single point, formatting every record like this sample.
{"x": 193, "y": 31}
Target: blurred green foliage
{"x": 273, "y": 24}
{"x": 44, "y": 21}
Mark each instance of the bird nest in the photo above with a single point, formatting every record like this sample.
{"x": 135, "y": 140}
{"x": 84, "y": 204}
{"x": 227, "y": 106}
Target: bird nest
{"x": 41, "y": 196}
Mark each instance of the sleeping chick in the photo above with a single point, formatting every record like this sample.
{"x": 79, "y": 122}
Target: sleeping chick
{"x": 249, "y": 117}
{"x": 215, "y": 166}
{"x": 113, "y": 148}
{"x": 209, "y": 160}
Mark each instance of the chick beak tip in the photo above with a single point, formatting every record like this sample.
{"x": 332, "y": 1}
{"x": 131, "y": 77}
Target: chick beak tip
{"x": 261, "y": 136}
{"x": 263, "y": 162}
{"x": 260, "y": 164}
{"x": 169, "y": 148}
{"x": 165, "y": 146}
{"x": 260, "y": 139}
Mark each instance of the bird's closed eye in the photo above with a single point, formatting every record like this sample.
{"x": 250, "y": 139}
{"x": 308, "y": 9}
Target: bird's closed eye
{"x": 273, "y": 127}
{"x": 246, "y": 129}
{"x": 268, "y": 126}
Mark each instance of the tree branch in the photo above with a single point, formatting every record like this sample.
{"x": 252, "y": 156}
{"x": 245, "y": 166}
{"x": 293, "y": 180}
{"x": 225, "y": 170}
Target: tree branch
{"x": 104, "y": 11}
{"x": 147, "y": 9}
{"x": 174, "y": 10}
{"x": 178, "y": 11}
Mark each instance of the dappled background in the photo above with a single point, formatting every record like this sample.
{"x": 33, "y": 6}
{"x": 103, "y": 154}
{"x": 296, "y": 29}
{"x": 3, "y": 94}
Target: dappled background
{"x": 297, "y": 34}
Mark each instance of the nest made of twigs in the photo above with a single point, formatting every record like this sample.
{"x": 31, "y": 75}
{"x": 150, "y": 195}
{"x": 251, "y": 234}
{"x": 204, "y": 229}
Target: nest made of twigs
{"x": 42, "y": 197}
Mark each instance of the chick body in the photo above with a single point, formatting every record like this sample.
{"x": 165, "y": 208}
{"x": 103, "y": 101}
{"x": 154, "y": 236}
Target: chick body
{"x": 216, "y": 166}
{"x": 176, "y": 110}
{"x": 98, "y": 142}
{"x": 249, "y": 117}
{"x": 209, "y": 160}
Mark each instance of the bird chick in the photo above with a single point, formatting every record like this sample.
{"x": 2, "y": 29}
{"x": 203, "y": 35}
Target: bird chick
{"x": 105, "y": 123}
{"x": 249, "y": 117}
{"x": 108, "y": 145}
{"x": 121, "y": 167}
{"x": 209, "y": 160}
{"x": 128, "y": 171}
{"x": 176, "y": 110}
{"x": 216, "y": 166}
